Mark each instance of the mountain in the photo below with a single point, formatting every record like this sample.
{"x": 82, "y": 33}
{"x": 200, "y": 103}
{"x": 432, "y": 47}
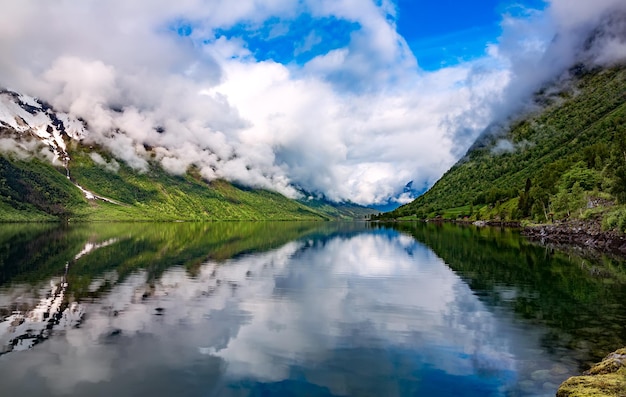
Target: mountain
{"x": 49, "y": 172}
{"x": 408, "y": 194}
{"x": 565, "y": 160}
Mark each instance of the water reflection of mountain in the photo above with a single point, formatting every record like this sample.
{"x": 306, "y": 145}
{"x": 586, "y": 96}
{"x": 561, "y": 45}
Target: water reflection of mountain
{"x": 323, "y": 309}
{"x": 581, "y": 300}
{"x": 47, "y": 270}
{"x": 34, "y": 252}
{"x": 351, "y": 314}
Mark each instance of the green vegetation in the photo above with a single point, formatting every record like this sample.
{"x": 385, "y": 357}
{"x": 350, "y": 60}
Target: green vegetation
{"x": 159, "y": 195}
{"x": 32, "y": 190}
{"x": 605, "y": 379}
{"x": 346, "y": 211}
{"x": 35, "y": 191}
{"x": 568, "y": 162}
{"x": 574, "y": 296}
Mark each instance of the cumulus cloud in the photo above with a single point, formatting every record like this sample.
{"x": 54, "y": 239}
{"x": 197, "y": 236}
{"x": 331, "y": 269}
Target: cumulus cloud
{"x": 353, "y": 123}
{"x": 540, "y": 46}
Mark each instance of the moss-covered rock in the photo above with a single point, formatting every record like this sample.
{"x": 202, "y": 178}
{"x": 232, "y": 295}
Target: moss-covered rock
{"x": 605, "y": 379}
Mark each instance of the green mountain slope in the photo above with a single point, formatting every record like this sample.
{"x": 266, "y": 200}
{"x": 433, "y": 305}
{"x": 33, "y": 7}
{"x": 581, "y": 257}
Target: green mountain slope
{"x": 33, "y": 190}
{"x": 566, "y": 161}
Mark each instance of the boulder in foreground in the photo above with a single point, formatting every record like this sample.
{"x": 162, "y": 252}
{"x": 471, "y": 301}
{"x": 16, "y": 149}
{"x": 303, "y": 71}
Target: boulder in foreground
{"x": 605, "y": 379}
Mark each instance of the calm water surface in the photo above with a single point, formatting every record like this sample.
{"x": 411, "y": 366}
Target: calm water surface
{"x": 298, "y": 309}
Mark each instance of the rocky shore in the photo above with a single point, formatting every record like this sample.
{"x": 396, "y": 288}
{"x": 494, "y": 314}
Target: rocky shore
{"x": 605, "y": 379}
{"x": 588, "y": 235}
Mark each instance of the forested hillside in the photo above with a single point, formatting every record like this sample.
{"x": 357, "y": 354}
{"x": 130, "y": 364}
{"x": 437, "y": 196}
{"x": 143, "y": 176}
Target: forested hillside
{"x": 33, "y": 190}
{"x": 566, "y": 160}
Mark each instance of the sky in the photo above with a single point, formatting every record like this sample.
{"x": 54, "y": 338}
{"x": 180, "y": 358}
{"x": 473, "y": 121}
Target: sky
{"x": 448, "y": 32}
{"x": 344, "y": 99}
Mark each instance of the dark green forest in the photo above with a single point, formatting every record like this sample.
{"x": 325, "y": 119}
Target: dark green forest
{"x": 566, "y": 161}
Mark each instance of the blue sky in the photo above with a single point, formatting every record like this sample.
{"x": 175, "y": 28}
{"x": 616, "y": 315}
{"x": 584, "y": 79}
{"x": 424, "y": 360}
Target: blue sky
{"x": 295, "y": 40}
{"x": 349, "y": 99}
{"x": 447, "y": 32}
{"x": 440, "y": 33}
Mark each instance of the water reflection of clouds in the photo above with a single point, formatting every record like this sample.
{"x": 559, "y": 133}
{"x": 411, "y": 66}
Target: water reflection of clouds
{"x": 343, "y": 304}
{"x": 296, "y": 308}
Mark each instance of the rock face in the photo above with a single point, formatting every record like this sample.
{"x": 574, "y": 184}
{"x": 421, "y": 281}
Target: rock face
{"x": 24, "y": 118}
{"x": 605, "y": 379}
{"x": 585, "y": 234}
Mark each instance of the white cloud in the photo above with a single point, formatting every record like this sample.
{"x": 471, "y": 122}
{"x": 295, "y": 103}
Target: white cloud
{"x": 540, "y": 46}
{"x": 503, "y": 146}
{"x": 112, "y": 166}
{"x": 570, "y": 14}
{"x": 356, "y": 123}
{"x": 24, "y": 149}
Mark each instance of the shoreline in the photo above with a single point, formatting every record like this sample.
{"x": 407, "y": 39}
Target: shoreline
{"x": 586, "y": 235}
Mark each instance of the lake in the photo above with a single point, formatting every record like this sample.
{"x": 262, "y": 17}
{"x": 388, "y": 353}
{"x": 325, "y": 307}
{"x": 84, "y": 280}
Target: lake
{"x": 298, "y": 309}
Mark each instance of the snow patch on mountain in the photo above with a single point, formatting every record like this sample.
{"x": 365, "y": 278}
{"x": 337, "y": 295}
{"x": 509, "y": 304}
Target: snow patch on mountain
{"x": 32, "y": 123}
{"x": 32, "y": 118}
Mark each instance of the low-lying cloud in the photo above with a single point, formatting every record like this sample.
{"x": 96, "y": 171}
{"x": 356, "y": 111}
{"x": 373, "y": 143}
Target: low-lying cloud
{"x": 354, "y": 123}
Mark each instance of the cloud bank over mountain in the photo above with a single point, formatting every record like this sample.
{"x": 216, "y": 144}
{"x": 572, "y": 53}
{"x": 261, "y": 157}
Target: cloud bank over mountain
{"x": 260, "y": 93}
